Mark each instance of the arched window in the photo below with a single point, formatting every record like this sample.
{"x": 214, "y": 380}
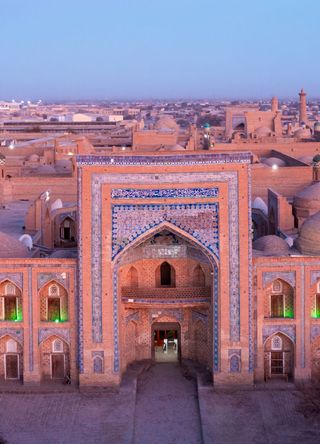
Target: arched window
{"x": 10, "y": 289}
{"x": 276, "y": 343}
{"x": 54, "y": 304}
{"x": 67, "y": 229}
{"x": 57, "y": 346}
{"x": 234, "y": 364}
{"x": 10, "y": 303}
{"x": 98, "y": 364}
{"x": 316, "y": 313}
{"x": 11, "y": 346}
{"x": 198, "y": 277}
{"x": 54, "y": 290}
{"x": 166, "y": 275}
{"x": 281, "y": 300}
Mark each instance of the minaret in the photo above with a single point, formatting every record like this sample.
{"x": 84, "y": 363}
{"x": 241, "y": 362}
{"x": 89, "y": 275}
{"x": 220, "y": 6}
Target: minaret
{"x": 302, "y": 107}
{"x": 274, "y": 104}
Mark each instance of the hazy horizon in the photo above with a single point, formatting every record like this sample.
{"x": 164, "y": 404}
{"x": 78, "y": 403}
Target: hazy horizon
{"x": 122, "y": 50}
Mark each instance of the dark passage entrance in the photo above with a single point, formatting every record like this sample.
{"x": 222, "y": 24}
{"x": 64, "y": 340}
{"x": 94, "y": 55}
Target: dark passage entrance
{"x": 12, "y": 367}
{"x": 57, "y": 366}
{"x": 166, "y": 342}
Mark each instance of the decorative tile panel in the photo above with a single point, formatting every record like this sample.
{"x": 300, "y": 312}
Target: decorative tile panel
{"x": 62, "y": 278}
{"x": 16, "y": 334}
{"x": 289, "y": 330}
{"x": 99, "y": 179}
{"x": 315, "y": 331}
{"x": 199, "y": 220}
{"x": 315, "y": 276}
{"x": 198, "y": 316}
{"x": 189, "y": 159}
{"x": 164, "y": 193}
{"x": 45, "y": 333}
{"x": 270, "y": 276}
{"x": 133, "y": 317}
{"x": 16, "y": 278}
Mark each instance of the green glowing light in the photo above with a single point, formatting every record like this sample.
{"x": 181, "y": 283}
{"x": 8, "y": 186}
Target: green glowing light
{"x": 315, "y": 313}
{"x": 57, "y": 320}
{"x": 288, "y": 314}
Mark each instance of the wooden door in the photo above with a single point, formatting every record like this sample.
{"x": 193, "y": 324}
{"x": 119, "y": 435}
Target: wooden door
{"x": 57, "y": 366}
{"x": 12, "y": 366}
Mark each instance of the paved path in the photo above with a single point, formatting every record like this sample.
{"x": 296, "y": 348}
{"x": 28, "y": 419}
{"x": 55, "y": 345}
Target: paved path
{"x": 167, "y": 408}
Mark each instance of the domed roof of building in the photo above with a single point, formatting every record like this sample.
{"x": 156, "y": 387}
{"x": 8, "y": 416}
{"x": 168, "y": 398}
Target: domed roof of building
{"x": 260, "y": 204}
{"x": 263, "y": 131}
{"x": 64, "y": 254}
{"x": 270, "y": 161}
{"x": 33, "y": 158}
{"x": 317, "y": 126}
{"x": 302, "y": 133}
{"x": 45, "y": 169}
{"x": 308, "y": 241}
{"x": 271, "y": 245}
{"x": 306, "y": 159}
{"x": 308, "y": 198}
{"x": 165, "y": 123}
{"x": 11, "y": 247}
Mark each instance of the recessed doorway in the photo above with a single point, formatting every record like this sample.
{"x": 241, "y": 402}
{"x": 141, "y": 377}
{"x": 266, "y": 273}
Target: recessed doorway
{"x": 166, "y": 344}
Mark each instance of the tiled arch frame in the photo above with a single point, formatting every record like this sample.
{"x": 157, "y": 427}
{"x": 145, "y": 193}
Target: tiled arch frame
{"x": 215, "y": 285}
{"x": 118, "y": 180}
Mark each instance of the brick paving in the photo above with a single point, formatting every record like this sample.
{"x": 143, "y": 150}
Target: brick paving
{"x": 167, "y": 407}
{"x": 164, "y": 409}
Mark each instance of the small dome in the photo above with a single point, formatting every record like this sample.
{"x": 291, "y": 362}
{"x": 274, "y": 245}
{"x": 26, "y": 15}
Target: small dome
{"x": 260, "y": 204}
{"x": 11, "y": 247}
{"x": 45, "y": 170}
{"x": 308, "y": 241}
{"x": 263, "y": 131}
{"x": 308, "y": 198}
{"x": 165, "y": 123}
{"x": 271, "y": 245}
{"x": 64, "y": 254}
{"x": 270, "y": 161}
{"x": 302, "y": 133}
{"x": 33, "y": 158}
{"x": 317, "y": 126}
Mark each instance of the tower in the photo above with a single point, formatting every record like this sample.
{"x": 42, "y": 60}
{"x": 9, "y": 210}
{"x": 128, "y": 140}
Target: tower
{"x": 274, "y": 104}
{"x": 302, "y": 107}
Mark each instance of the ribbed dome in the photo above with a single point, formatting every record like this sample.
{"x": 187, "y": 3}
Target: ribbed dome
{"x": 308, "y": 241}
{"x": 11, "y": 247}
{"x": 271, "y": 245}
{"x": 308, "y": 198}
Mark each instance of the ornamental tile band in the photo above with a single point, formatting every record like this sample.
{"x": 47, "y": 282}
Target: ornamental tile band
{"x": 131, "y": 221}
{"x": 98, "y": 180}
{"x": 165, "y": 193}
{"x": 189, "y": 159}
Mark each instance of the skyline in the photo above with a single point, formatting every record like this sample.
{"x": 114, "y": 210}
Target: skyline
{"x": 125, "y": 51}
